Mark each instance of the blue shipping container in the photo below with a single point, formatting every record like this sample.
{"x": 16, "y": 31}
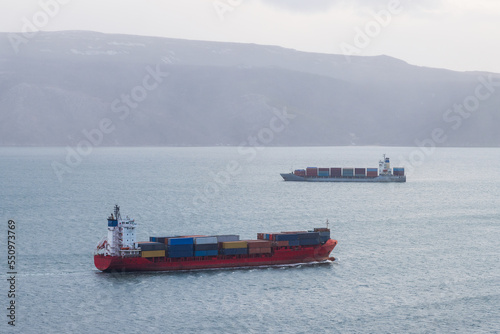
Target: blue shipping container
{"x": 234, "y": 251}
{"x": 180, "y": 254}
{"x": 309, "y": 235}
{"x": 287, "y": 237}
{"x": 293, "y": 242}
{"x": 206, "y": 253}
{"x": 180, "y": 241}
{"x": 205, "y": 247}
{"x": 347, "y": 172}
{"x": 180, "y": 248}
{"x": 309, "y": 242}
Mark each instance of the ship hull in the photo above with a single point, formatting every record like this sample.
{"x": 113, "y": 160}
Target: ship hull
{"x": 380, "y": 178}
{"x": 280, "y": 256}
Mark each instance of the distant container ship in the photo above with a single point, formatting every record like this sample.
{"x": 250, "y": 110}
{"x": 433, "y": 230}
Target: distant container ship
{"x": 120, "y": 251}
{"x": 384, "y": 173}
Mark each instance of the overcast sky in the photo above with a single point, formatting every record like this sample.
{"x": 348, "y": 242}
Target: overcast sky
{"x": 461, "y": 35}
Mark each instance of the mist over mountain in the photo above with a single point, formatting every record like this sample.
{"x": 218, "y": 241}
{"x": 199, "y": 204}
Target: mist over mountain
{"x": 64, "y": 87}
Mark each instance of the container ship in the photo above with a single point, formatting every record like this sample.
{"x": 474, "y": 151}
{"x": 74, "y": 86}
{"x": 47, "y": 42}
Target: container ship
{"x": 384, "y": 173}
{"x": 119, "y": 250}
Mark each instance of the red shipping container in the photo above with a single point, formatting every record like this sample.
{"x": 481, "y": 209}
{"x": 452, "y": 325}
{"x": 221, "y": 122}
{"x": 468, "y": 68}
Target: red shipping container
{"x": 259, "y": 250}
{"x": 359, "y": 171}
{"x": 335, "y": 171}
{"x": 300, "y": 172}
{"x": 312, "y": 171}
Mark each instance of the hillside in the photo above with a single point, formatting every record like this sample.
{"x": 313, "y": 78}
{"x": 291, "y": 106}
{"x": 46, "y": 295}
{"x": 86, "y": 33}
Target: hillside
{"x": 160, "y": 91}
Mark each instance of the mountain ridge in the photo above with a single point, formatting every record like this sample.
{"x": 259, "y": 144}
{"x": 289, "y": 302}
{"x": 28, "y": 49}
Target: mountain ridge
{"x": 215, "y": 93}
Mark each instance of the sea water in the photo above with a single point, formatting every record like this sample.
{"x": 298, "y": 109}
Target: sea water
{"x": 415, "y": 257}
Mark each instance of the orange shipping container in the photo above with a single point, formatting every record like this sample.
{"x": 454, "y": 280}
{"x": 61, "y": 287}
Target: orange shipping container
{"x": 156, "y": 253}
{"x": 234, "y": 244}
{"x": 258, "y": 244}
{"x": 264, "y": 250}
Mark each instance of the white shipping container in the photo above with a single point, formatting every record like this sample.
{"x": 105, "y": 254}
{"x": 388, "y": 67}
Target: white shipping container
{"x": 228, "y": 237}
{"x": 205, "y": 240}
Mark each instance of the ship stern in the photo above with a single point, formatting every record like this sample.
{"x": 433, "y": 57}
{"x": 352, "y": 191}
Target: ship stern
{"x": 102, "y": 262}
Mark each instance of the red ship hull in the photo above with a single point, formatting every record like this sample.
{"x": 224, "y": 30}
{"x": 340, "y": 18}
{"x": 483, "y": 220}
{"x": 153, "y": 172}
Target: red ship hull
{"x": 280, "y": 256}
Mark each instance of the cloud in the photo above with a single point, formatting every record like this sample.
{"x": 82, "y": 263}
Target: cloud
{"x": 312, "y": 6}
{"x": 301, "y": 5}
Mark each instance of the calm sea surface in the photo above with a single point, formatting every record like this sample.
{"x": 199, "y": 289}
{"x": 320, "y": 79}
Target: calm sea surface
{"x": 417, "y": 257}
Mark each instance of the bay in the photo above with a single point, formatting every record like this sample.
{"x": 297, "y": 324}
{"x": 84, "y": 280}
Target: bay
{"x": 416, "y": 257}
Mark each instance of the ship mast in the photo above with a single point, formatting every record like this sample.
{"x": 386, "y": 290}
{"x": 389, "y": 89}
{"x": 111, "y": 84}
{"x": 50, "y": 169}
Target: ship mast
{"x": 117, "y": 212}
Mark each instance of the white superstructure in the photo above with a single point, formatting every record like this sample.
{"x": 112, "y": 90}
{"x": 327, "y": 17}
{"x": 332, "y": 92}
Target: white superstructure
{"x": 384, "y": 166}
{"x": 121, "y": 236}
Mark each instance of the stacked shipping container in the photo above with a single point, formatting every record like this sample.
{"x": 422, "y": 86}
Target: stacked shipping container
{"x": 335, "y": 172}
{"x": 181, "y": 247}
{"x": 259, "y": 246}
{"x": 371, "y": 172}
{"x": 360, "y": 172}
{"x": 300, "y": 172}
{"x": 234, "y": 248}
{"x": 206, "y": 246}
{"x": 399, "y": 171}
{"x": 324, "y": 234}
{"x": 302, "y": 238}
{"x": 323, "y": 172}
{"x": 344, "y": 172}
{"x": 189, "y": 246}
{"x": 312, "y": 171}
{"x": 151, "y": 249}
{"x": 349, "y": 172}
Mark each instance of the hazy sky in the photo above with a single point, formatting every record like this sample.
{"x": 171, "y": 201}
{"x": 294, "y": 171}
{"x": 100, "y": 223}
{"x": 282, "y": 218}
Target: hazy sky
{"x": 456, "y": 34}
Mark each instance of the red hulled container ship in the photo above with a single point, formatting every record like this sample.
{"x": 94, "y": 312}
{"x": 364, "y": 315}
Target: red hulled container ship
{"x": 119, "y": 250}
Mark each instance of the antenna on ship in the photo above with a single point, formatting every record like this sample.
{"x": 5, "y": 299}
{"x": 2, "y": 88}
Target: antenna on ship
{"x": 117, "y": 212}
{"x": 327, "y": 223}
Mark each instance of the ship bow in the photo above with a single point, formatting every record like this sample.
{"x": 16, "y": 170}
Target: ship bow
{"x": 323, "y": 252}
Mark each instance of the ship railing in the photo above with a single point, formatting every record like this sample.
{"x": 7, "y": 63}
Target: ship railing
{"x": 130, "y": 252}
{"x": 100, "y": 252}
{"x": 128, "y": 223}
{"x": 100, "y": 247}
